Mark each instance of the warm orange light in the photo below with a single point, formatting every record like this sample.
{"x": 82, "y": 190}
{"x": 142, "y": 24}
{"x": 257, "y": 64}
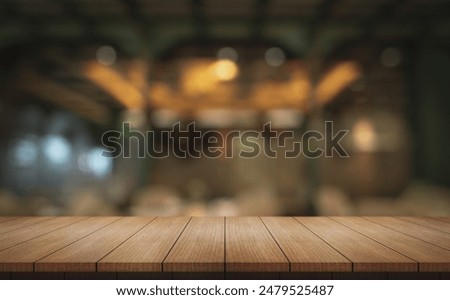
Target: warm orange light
{"x": 291, "y": 93}
{"x": 196, "y": 78}
{"x": 137, "y": 73}
{"x": 364, "y": 136}
{"x": 203, "y": 85}
{"x": 115, "y": 84}
{"x": 225, "y": 69}
{"x": 336, "y": 80}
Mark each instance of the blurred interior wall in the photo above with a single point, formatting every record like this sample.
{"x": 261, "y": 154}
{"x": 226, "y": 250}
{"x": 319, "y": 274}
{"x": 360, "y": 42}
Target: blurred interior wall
{"x": 430, "y": 104}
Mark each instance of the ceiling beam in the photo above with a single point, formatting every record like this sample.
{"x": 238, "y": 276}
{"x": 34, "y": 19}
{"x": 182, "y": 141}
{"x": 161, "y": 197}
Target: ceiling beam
{"x": 386, "y": 13}
{"x": 115, "y": 84}
{"x": 259, "y": 18}
{"x": 199, "y": 18}
{"x": 53, "y": 92}
{"x": 141, "y": 28}
{"x": 126, "y": 91}
{"x": 323, "y": 13}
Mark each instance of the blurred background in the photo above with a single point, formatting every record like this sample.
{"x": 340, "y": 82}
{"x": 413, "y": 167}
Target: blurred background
{"x": 71, "y": 70}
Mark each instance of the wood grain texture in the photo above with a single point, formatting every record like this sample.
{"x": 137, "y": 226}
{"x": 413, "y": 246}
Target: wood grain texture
{"x": 432, "y": 236}
{"x": 242, "y": 247}
{"x": 444, "y": 219}
{"x": 22, "y": 257}
{"x": 10, "y": 239}
{"x": 305, "y": 251}
{"x": 361, "y": 276}
{"x": 143, "y": 276}
{"x": 429, "y": 222}
{"x": 83, "y": 255}
{"x": 197, "y": 275}
{"x": 18, "y": 223}
{"x": 6, "y": 219}
{"x": 251, "y": 248}
{"x": 201, "y": 247}
{"x": 366, "y": 254}
{"x": 145, "y": 251}
{"x": 414, "y": 276}
{"x": 430, "y": 258}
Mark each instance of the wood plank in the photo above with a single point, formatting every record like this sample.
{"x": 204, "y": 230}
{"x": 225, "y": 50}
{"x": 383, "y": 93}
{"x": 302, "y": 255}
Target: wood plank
{"x": 89, "y": 276}
{"x": 430, "y": 258}
{"x": 145, "y": 251}
{"x": 252, "y": 275}
{"x": 429, "y": 222}
{"x": 366, "y": 254}
{"x": 19, "y": 236}
{"x": 443, "y": 219}
{"x": 6, "y": 219}
{"x": 197, "y": 275}
{"x": 240, "y": 246}
{"x": 83, "y": 255}
{"x": 306, "y": 276}
{"x": 361, "y": 276}
{"x": 20, "y": 223}
{"x": 21, "y": 258}
{"x": 305, "y": 251}
{"x": 432, "y": 236}
{"x": 37, "y": 276}
{"x": 143, "y": 276}
{"x": 251, "y": 248}
{"x": 201, "y": 247}
{"x": 414, "y": 276}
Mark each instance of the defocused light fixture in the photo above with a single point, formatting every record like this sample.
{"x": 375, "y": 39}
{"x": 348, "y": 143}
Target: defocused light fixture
{"x": 135, "y": 117}
{"x": 225, "y": 69}
{"x": 24, "y": 152}
{"x": 106, "y": 55}
{"x": 57, "y": 149}
{"x": 227, "y": 53}
{"x": 165, "y": 117}
{"x": 274, "y": 57}
{"x": 216, "y": 118}
{"x": 284, "y": 118}
{"x": 364, "y": 136}
{"x": 391, "y": 57}
{"x": 226, "y": 117}
{"x": 197, "y": 78}
{"x": 95, "y": 163}
{"x": 337, "y": 79}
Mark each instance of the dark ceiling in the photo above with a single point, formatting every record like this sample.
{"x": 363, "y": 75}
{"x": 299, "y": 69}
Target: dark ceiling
{"x": 151, "y": 27}
{"x": 60, "y": 33}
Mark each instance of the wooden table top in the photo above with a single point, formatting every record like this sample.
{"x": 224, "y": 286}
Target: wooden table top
{"x": 224, "y": 244}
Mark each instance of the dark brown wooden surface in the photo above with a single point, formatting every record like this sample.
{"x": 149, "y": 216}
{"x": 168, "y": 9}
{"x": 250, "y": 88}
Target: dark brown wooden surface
{"x": 83, "y": 255}
{"x": 251, "y": 248}
{"x": 304, "y": 249}
{"x": 201, "y": 247}
{"x": 429, "y": 257}
{"x": 433, "y": 236}
{"x": 147, "y": 249}
{"x": 366, "y": 254}
{"x": 180, "y": 246}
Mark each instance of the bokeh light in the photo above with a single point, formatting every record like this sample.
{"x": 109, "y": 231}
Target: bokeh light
{"x": 106, "y": 55}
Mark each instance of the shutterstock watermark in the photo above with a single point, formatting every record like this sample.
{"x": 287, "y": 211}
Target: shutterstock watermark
{"x": 191, "y": 142}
